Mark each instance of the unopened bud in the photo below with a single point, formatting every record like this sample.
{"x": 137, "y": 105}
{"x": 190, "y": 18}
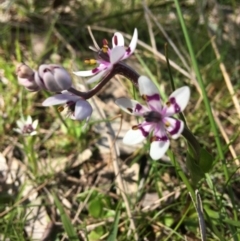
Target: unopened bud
{"x": 53, "y": 78}
{"x": 24, "y": 71}
{"x": 26, "y": 77}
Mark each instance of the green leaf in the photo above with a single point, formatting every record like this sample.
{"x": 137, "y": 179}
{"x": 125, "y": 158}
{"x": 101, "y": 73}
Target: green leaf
{"x": 95, "y": 207}
{"x": 232, "y": 222}
{"x": 96, "y": 234}
{"x": 198, "y": 168}
{"x": 68, "y": 227}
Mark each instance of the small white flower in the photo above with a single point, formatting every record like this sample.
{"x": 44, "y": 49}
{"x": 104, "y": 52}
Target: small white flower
{"x": 158, "y": 120}
{"x": 26, "y": 126}
{"x": 110, "y": 56}
{"x": 78, "y": 108}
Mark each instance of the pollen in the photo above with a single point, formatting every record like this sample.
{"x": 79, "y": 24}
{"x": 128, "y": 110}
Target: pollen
{"x": 60, "y": 108}
{"x": 90, "y": 61}
{"x": 135, "y": 128}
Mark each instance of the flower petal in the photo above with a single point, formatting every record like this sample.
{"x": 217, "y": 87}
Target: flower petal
{"x": 82, "y": 110}
{"x": 97, "y": 76}
{"x": 133, "y": 137}
{"x": 85, "y": 73}
{"x": 20, "y": 123}
{"x": 158, "y": 149}
{"x": 35, "y": 124}
{"x": 59, "y": 99}
{"x": 117, "y": 54}
{"x": 132, "y": 45}
{"x": 174, "y": 127}
{"x": 150, "y": 93}
{"x": 178, "y": 100}
{"x": 28, "y": 120}
{"x": 117, "y": 40}
{"x": 131, "y": 106}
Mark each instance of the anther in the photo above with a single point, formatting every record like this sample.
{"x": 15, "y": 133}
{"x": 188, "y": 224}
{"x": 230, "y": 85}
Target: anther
{"x": 135, "y": 128}
{"x": 168, "y": 104}
{"x": 130, "y": 110}
{"x": 167, "y": 124}
{"x": 60, "y": 108}
{"x": 90, "y": 61}
{"x": 144, "y": 97}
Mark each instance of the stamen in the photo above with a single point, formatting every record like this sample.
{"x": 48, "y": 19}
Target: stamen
{"x": 168, "y": 104}
{"x": 135, "y": 128}
{"x": 105, "y": 46}
{"x": 167, "y": 124}
{"x": 130, "y": 110}
{"x": 144, "y": 97}
{"x": 153, "y": 138}
{"x": 60, "y": 108}
{"x": 90, "y": 61}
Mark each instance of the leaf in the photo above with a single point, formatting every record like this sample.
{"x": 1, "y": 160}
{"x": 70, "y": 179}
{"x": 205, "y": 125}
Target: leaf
{"x": 95, "y": 207}
{"x": 198, "y": 168}
{"x": 113, "y": 233}
{"x": 68, "y": 227}
{"x": 96, "y": 234}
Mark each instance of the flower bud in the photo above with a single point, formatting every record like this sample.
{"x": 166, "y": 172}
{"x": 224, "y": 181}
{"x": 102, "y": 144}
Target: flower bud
{"x": 53, "y": 78}
{"x": 26, "y": 77}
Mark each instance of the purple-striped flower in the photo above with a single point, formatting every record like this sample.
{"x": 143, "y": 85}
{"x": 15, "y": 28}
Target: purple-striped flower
{"x": 108, "y": 57}
{"x": 157, "y": 116}
{"x": 77, "y": 108}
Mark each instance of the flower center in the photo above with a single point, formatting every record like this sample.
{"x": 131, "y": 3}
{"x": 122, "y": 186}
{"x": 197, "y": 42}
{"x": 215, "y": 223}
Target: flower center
{"x": 153, "y": 116}
{"x": 28, "y": 129}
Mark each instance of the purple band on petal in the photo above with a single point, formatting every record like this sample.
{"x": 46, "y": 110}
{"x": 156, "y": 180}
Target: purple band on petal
{"x": 145, "y": 133}
{"x": 115, "y": 40}
{"x": 153, "y": 97}
{"x": 138, "y": 108}
{"x": 174, "y": 103}
{"x": 176, "y": 128}
{"x": 128, "y": 50}
{"x": 95, "y": 70}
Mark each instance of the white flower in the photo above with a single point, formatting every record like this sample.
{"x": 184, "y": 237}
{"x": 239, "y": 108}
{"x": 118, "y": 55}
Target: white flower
{"x": 26, "y": 127}
{"x": 158, "y": 120}
{"x": 108, "y": 57}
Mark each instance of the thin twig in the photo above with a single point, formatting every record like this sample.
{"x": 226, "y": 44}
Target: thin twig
{"x": 167, "y": 37}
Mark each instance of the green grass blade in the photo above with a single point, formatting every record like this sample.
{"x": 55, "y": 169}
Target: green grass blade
{"x": 114, "y": 230}
{"x": 68, "y": 227}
